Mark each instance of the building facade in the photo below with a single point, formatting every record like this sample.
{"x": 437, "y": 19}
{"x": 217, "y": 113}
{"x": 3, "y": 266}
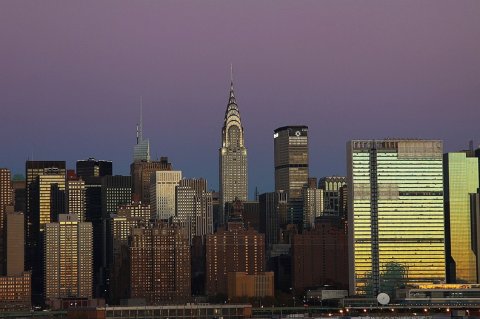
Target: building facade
{"x": 141, "y": 172}
{"x": 273, "y": 211}
{"x": 332, "y": 191}
{"x": 68, "y": 259}
{"x": 162, "y": 193}
{"x": 194, "y": 209}
{"x": 234, "y": 249}
{"x": 233, "y": 157}
{"x": 460, "y": 180}
{"x": 320, "y": 256}
{"x": 312, "y": 203}
{"x": 121, "y": 224}
{"x": 76, "y": 197}
{"x": 291, "y": 167}
{"x": 15, "y": 283}
{"x": 6, "y": 199}
{"x": 160, "y": 270}
{"x": 396, "y": 217}
{"x": 94, "y": 168}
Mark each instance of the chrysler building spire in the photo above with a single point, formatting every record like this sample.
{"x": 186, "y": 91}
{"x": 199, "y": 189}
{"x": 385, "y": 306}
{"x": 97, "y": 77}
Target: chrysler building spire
{"x": 233, "y": 155}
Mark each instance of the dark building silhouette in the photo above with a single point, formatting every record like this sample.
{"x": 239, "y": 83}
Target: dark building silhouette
{"x": 273, "y": 211}
{"x": 43, "y": 182}
{"x": 320, "y": 256}
{"x": 93, "y": 168}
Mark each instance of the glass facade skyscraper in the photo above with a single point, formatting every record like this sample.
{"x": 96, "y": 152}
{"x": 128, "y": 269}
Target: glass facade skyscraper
{"x": 396, "y": 219}
{"x": 291, "y": 167}
{"x": 461, "y": 180}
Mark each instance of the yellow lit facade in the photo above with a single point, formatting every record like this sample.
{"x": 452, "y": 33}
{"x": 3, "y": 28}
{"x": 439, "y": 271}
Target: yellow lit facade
{"x": 461, "y": 179}
{"x": 395, "y": 213}
{"x": 68, "y": 258}
{"x": 49, "y": 184}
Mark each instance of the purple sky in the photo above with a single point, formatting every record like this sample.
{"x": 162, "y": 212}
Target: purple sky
{"x": 71, "y": 74}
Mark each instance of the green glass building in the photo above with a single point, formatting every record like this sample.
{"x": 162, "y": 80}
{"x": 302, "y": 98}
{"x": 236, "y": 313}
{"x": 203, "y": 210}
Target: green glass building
{"x": 396, "y": 218}
{"x": 460, "y": 180}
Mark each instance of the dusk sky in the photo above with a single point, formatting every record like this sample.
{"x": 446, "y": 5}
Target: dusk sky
{"x": 72, "y": 73}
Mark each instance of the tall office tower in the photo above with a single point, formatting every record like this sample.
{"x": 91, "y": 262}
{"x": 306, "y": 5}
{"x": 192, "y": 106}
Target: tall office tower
{"x": 291, "y": 167}
{"x": 331, "y": 186}
{"x": 18, "y": 183}
{"x": 193, "y": 207}
{"x": 233, "y": 157}
{"x": 34, "y": 244}
{"x": 15, "y": 283}
{"x": 477, "y": 154}
{"x": 320, "y": 256}
{"x": 460, "y": 174}
{"x": 93, "y": 214}
{"x": 33, "y": 169}
{"x": 141, "y": 172}
{"x": 128, "y": 216}
{"x": 141, "y": 150}
{"x": 162, "y": 193}
{"x": 116, "y": 191}
{"x": 76, "y": 197}
{"x": 233, "y": 249}
{"x": 93, "y": 168}
{"x": 6, "y": 199}
{"x": 204, "y": 205}
{"x": 68, "y": 259}
{"x": 273, "y": 209}
{"x": 49, "y": 197}
{"x": 395, "y": 207}
{"x": 312, "y": 203}
{"x": 160, "y": 264}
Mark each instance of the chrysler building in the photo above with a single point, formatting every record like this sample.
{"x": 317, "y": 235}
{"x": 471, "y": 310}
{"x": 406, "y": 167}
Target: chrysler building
{"x": 233, "y": 157}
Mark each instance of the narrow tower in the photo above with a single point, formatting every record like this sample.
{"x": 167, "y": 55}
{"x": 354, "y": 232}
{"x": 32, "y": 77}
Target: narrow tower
{"x": 233, "y": 156}
{"x": 141, "y": 150}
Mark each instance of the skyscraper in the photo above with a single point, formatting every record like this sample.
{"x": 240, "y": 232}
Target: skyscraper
{"x": 93, "y": 168}
{"x": 460, "y": 180}
{"x": 6, "y": 199}
{"x": 312, "y": 203}
{"x": 68, "y": 259}
{"x": 193, "y": 207}
{"x": 76, "y": 197}
{"x": 396, "y": 218}
{"x": 141, "y": 172}
{"x": 121, "y": 224}
{"x": 15, "y": 283}
{"x": 233, "y": 156}
{"x": 291, "y": 167}
{"x": 162, "y": 193}
{"x": 273, "y": 213}
{"x": 331, "y": 186}
{"x": 45, "y": 200}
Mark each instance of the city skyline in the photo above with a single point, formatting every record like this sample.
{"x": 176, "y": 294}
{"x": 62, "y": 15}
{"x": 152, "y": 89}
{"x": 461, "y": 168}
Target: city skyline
{"x": 73, "y": 75}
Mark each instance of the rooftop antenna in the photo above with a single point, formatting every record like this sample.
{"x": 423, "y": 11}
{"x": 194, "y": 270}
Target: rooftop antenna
{"x": 141, "y": 118}
{"x": 470, "y": 145}
{"x": 231, "y": 73}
